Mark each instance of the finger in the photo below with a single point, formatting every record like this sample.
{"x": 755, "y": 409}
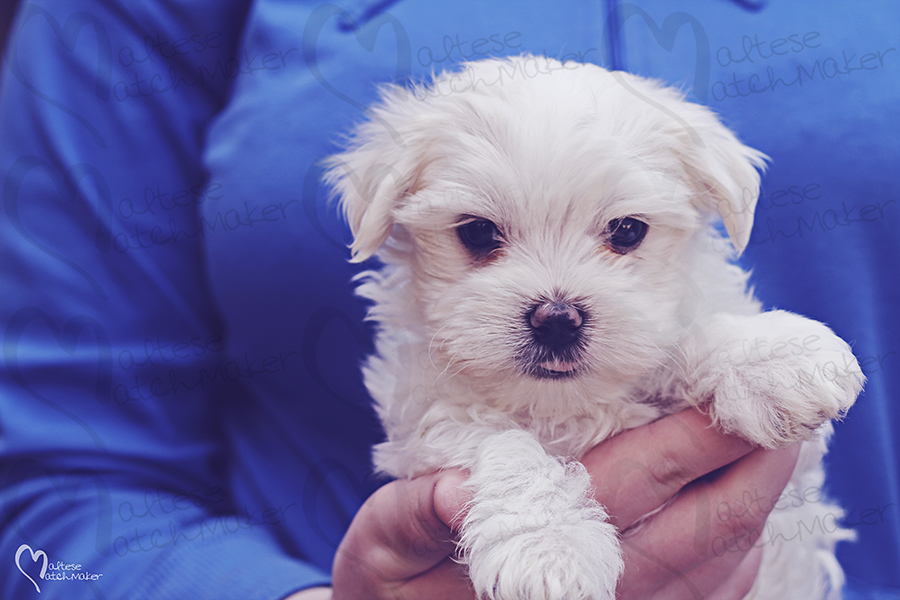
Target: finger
{"x": 401, "y": 532}
{"x": 451, "y": 499}
{"x": 711, "y": 581}
{"x": 637, "y": 471}
{"x": 699, "y": 540}
{"x": 741, "y": 581}
{"x": 449, "y": 580}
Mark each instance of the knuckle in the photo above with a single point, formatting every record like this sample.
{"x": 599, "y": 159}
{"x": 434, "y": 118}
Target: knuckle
{"x": 737, "y": 527}
{"x": 669, "y": 471}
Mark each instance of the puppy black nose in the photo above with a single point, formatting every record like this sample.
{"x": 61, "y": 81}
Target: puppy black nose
{"x": 555, "y": 324}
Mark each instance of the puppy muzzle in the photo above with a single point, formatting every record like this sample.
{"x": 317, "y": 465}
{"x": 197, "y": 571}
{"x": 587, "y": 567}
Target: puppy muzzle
{"x": 556, "y": 339}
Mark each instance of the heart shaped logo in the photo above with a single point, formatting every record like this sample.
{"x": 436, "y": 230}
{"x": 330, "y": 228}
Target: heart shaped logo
{"x": 67, "y": 337}
{"x": 311, "y": 204}
{"x": 316, "y": 329}
{"x": 67, "y": 185}
{"x": 366, "y": 36}
{"x": 665, "y": 37}
{"x": 79, "y": 488}
{"x": 40, "y": 554}
{"x": 67, "y": 35}
{"x": 325, "y": 476}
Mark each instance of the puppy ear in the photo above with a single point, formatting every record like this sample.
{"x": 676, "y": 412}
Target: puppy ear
{"x": 722, "y": 172}
{"x": 378, "y": 170}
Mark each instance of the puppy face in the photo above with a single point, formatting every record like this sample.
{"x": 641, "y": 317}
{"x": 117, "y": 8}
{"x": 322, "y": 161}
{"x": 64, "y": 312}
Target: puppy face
{"x": 548, "y": 223}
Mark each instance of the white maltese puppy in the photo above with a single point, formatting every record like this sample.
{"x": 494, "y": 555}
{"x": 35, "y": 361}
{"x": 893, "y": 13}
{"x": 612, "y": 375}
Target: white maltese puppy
{"x": 553, "y": 276}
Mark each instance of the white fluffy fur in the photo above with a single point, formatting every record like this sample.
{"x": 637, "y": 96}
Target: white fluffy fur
{"x": 552, "y": 153}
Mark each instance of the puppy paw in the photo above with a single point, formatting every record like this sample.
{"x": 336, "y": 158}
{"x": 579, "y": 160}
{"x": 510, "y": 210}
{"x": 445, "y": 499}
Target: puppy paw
{"x": 576, "y": 561}
{"x": 776, "y": 378}
{"x": 533, "y": 531}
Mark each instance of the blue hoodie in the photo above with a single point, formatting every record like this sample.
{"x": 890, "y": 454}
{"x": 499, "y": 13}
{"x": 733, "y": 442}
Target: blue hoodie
{"x": 181, "y": 411}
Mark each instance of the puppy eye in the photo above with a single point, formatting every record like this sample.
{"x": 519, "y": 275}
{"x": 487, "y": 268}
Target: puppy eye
{"x": 626, "y": 234}
{"x": 479, "y": 236}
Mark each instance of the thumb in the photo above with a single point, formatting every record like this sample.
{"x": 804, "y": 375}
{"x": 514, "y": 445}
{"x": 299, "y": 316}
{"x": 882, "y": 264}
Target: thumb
{"x": 405, "y": 528}
{"x": 451, "y": 497}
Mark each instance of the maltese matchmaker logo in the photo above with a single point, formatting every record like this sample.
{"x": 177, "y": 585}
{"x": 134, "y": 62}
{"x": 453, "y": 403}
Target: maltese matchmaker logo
{"x": 40, "y": 567}
{"x": 35, "y": 557}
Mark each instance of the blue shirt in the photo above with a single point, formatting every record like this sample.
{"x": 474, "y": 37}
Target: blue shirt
{"x": 181, "y": 411}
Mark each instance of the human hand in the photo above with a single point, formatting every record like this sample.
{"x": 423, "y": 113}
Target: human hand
{"x": 680, "y": 553}
{"x": 400, "y": 545}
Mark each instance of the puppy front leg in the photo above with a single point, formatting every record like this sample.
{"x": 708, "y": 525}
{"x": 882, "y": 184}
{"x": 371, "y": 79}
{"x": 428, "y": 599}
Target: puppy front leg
{"x": 534, "y": 531}
{"x": 773, "y": 378}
